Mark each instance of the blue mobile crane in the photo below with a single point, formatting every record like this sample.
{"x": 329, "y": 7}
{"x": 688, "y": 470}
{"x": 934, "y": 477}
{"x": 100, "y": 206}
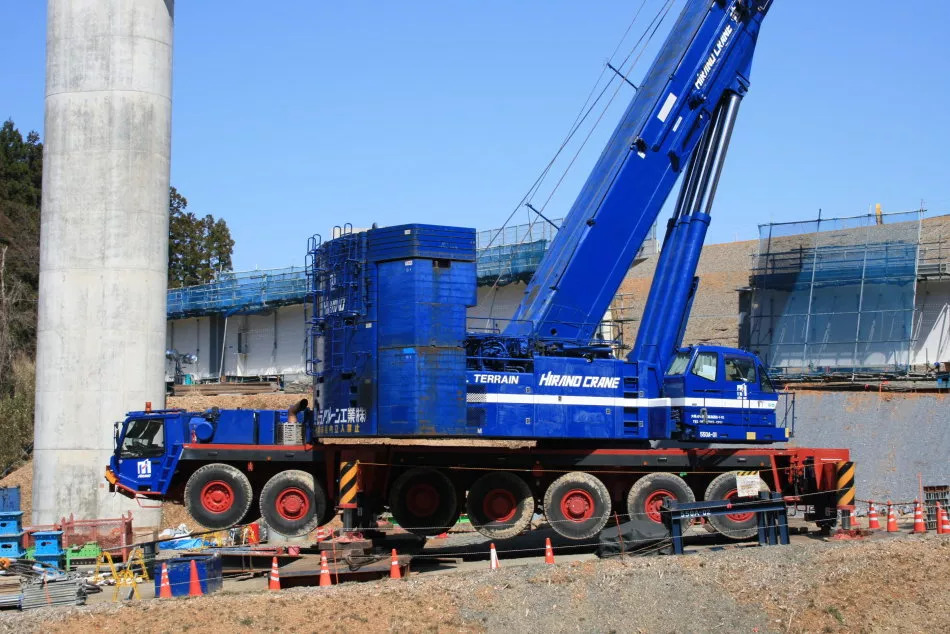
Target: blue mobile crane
{"x": 392, "y": 357}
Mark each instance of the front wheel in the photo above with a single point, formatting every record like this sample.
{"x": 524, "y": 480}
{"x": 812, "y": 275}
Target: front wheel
{"x": 218, "y": 496}
{"x": 293, "y": 503}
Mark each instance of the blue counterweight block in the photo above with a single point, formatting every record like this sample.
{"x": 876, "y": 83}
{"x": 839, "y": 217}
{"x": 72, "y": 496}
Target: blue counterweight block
{"x": 11, "y": 522}
{"x": 11, "y": 546}
{"x": 48, "y": 543}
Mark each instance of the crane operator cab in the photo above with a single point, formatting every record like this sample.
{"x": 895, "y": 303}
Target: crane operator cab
{"x": 722, "y": 394}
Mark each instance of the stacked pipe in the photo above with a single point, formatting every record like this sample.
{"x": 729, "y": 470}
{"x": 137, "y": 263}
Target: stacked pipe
{"x": 41, "y": 594}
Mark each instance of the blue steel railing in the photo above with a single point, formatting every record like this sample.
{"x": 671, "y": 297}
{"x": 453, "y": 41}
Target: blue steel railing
{"x": 245, "y": 291}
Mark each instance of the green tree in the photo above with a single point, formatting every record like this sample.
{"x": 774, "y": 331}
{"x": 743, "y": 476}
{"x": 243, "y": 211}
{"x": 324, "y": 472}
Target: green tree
{"x": 198, "y": 247}
{"x": 21, "y": 183}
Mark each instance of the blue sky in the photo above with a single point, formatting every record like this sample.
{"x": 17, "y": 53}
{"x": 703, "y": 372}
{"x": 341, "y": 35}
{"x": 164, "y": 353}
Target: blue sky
{"x": 309, "y": 114}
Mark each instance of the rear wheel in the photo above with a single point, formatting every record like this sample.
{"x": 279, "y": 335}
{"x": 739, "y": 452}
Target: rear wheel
{"x": 218, "y": 495}
{"x": 648, "y": 494}
{"x": 500, "y": 505}
{"x": 293, "y": 503}
{"x": 738, "y": 525}
{"x": 424, "y": 502}
{"x": 577, "y": 505}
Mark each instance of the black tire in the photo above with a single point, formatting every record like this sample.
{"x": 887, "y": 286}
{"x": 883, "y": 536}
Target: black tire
{"x": 293, "y": 503}
{"x": 424, "y": 502}
{"x": 647, "y": 494}
{"x": 577, "y": 505}
{"x": 218, "y": 495}
{"x": 500, "y": 505}
{"x": 737, "y": 526}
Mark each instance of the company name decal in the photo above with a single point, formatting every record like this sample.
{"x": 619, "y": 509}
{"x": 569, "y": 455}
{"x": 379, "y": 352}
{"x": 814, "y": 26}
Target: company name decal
{"x": 714, "y": 56}
{"x": 503, "y": 379}
{"x": 549, "y": 379}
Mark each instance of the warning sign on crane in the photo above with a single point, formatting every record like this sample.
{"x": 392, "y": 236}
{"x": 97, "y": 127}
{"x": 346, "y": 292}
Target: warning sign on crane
{"x": 747, "y": 484}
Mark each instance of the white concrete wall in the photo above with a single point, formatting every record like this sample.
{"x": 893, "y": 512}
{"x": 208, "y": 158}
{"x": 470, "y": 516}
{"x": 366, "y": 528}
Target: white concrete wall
{"x": 276, "y": 344}
{"x": 932, "y": 323}
{"x": 103, "y": 247}
{"x": 496, "y": 305}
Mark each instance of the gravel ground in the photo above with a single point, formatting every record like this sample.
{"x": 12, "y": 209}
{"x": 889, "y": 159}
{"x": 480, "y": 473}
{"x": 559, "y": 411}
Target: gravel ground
{"x": 880, "y": 585}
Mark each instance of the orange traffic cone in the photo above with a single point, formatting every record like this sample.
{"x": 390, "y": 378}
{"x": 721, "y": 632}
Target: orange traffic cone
{"x": 854, "y": 519}
{"x": 874, "y": 523}
{"x": 494, "y": 559}
{"x": 165, "y": 588}
{"x": 194, "y": 584}
{"x": 394, "y": 572}
{"x": 273, "y": 582}
{"x": 548, "y": 551}
{"x": 919, "y": 525}
{"x": 943, "y": 522}
{"x": 324, "y": 571}
{"x": 891, "y": 518}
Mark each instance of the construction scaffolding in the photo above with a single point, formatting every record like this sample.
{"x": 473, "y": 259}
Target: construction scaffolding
{"x": 241, "y": 292}
{"x": 836, "y": 296}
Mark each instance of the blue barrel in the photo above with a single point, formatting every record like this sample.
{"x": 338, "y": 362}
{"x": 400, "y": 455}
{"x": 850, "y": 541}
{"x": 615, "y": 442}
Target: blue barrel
{"x": 179, "y": 574}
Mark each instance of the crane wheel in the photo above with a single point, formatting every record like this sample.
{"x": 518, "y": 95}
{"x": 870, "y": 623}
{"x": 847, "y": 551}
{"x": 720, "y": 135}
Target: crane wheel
{"x": 424, "y": 502}
{"x": 500, "y": 505}
{"x": 647, "y": 495}
{"x": 737, "y": 525}
{"x": 218, "y": 495}
{"x": 293, "y": 503}
{"x": 577, "y": 505}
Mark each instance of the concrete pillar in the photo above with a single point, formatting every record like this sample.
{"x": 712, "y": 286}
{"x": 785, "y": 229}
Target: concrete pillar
{"x": 103, "y": 248}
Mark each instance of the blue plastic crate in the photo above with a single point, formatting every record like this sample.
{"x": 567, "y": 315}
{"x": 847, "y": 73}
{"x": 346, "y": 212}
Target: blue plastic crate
{"x": 48, "y": 542}
{"x": 11, "y": 546}
{"x": 11, "y": 522}
{"x": 179, "y": 574}
{"x": 9, "y": 498}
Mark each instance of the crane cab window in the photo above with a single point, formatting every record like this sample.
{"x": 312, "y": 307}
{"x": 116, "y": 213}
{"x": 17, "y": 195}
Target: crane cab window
{"x": 706, "y": 365}
{"x": 144, "y": 438}
{"x": 766, "y": 381}
{"x": 739, "y": 369}
{"x": 679, "y": 363}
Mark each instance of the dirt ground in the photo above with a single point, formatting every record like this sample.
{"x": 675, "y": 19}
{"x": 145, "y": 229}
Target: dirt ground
{"x": 886, "y": 584}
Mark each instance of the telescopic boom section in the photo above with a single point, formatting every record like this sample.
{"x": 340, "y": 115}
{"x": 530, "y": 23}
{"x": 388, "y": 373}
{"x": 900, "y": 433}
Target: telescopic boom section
{"x": 707, "y": 54}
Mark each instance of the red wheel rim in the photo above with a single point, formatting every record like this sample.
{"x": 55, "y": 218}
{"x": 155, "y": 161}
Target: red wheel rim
{"x": 217, "y": 496}
{"x": 422, "y": 500}
{"x": 737, "y": 517}
{"x": 499, "y": 505}
{"x": 292, "y": 504}
{"x": 651, "y": 506}
{"x": 577, "y": 505}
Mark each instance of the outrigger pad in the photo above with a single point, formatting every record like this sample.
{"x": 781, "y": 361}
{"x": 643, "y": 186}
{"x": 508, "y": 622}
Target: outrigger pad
{"x": 634, "y": 538}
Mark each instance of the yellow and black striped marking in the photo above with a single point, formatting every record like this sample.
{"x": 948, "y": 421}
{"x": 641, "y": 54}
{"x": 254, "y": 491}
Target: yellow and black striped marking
{"x": 348, "y": 481}
{"x": 845, "y": 484}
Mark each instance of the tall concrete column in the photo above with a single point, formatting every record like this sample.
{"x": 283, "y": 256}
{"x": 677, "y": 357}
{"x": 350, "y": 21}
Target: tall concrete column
{"x": 103, "y": 245}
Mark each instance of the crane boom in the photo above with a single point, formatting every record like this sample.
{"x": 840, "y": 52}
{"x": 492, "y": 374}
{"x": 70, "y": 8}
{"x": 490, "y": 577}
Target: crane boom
{"x": 707, "y": 54}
